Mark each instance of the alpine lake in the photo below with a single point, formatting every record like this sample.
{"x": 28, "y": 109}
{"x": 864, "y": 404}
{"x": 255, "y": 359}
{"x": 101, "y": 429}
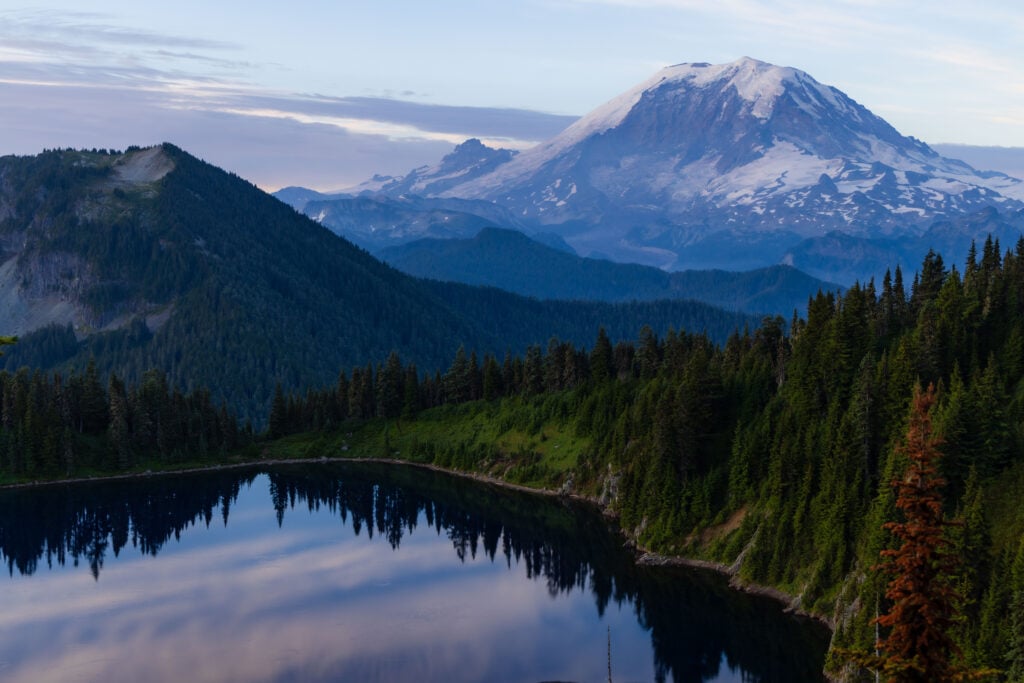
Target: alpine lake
{"x": 360, "y": 572}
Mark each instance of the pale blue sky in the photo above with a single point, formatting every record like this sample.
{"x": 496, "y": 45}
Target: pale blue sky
{"x": 304, "y": 91}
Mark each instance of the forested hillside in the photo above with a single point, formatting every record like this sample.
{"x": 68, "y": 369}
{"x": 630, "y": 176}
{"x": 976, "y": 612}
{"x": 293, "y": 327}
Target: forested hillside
{"x": 53, "y": 427}
{"x": 154, "y": 259}
{"x": 774, "y": 453}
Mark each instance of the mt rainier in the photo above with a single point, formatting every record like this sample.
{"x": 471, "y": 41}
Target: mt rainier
{"x": 725, "y": 165}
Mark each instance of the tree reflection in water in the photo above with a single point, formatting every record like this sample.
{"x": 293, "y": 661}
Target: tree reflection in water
{"x": 696, "y": 622}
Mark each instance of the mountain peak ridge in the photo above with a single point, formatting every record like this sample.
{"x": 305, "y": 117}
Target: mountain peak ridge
{"x": 744, "y": 148}
{"x": 748, "y": 155}
{"x": 757, "y": 82}
{"x": 700, "y": 110}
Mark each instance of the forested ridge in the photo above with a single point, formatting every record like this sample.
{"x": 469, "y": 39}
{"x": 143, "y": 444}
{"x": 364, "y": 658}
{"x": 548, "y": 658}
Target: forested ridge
{"x": 219, "y": 285}
{"x": 512, "y": 261}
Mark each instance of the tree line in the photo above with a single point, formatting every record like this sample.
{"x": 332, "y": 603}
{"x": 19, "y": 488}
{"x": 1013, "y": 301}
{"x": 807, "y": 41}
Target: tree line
{"x": 53, "y": 425}
{"x": 394, "y": 389}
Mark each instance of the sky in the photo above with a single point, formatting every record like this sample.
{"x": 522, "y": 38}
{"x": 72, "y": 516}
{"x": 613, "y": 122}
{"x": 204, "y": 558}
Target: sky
{"x": 326, "y": 93}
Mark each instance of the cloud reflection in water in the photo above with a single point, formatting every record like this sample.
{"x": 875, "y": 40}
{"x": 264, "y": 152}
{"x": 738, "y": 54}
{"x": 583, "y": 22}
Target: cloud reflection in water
{"x": 357, "y": 574}
{"x": 309, "y": 602}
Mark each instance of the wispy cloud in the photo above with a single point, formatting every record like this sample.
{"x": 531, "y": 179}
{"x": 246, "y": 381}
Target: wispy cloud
{"x": 75, "y": 71}
{"x": 88, "y": 49}
{"x": 203, "y": 59}
{"x": 409, "y": 119}
{"x": 975, "y": 59}
{"x": 812, "y": 21}
{"x": 84, "y": 50}
{"x": 366, "y": 126}
{"x": 92, "y": 28}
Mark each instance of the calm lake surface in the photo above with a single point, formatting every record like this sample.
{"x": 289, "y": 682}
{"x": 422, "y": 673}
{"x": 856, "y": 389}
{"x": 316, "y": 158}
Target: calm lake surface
{"x": 359, "y": 573}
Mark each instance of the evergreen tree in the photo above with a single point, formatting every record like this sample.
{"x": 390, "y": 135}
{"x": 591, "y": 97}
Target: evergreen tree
{"x": 476, "y": 378}
{"x": 68, "y": 451}
{"x": 553, "y": 366}
{"x": 391, "y": 387}
{"x": 119, "y": 430}
{"x": 93, "y": 402}
{"x": 411, "y": 401}
{"x": 366, "y": 392}
{"x": 458, "y": 379}
{"x": 533, "y": 371}
{"x": 341, "y": 409}
{"x": 278, "y": 421}
{"x": 1015, "y": 652}
{"x": 648, "y": 353}
{"x": 601, "y": 358}
{"x": 492, "y": 383}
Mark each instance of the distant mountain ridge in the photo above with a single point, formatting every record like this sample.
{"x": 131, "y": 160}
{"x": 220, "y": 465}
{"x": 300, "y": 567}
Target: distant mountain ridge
{"x": 703, "y": 160}
{"x": 509, "y": 260}
{"x": 378, "y": 221}
{"x": 847, "y": 258}
{"x": 468, "y": 161}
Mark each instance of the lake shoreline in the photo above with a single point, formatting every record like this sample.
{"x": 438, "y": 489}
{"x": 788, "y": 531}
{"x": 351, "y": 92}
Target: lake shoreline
{"x": 643, "y": 556}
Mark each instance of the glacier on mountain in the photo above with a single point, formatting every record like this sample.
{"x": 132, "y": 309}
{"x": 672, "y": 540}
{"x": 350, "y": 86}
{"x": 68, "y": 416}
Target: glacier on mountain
{"x": 748, "y": 150}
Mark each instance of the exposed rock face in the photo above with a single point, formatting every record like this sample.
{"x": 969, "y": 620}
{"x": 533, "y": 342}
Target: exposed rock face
{"x": 42, "y": 282}
{"x": 145, "y": 166}
{"x": 32, "y": 297}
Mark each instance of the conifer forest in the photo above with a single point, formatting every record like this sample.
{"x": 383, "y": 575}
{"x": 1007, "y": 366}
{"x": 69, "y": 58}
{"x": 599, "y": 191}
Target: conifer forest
{"x": 775, "y": 452}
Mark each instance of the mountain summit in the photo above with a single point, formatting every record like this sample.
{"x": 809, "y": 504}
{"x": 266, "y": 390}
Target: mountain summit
{"x": 762, "y": 155}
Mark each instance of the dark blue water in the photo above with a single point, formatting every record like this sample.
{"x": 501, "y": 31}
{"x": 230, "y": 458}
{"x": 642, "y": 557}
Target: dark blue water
{"x": 358, "y": 573}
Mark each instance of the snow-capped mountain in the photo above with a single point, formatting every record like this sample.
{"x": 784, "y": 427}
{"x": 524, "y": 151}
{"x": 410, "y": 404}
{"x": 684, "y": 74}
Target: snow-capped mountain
{"x": 466, "y": 162}
{"x": 759, "y": 155}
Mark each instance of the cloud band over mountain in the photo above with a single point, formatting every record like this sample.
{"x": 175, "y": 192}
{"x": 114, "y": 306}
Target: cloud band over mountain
{"x": 70, "y": 81}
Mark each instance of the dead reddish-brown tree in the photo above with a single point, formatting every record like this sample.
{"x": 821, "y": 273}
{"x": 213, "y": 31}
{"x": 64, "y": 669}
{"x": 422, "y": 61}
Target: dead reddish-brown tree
{"x": 924, "y": 602}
